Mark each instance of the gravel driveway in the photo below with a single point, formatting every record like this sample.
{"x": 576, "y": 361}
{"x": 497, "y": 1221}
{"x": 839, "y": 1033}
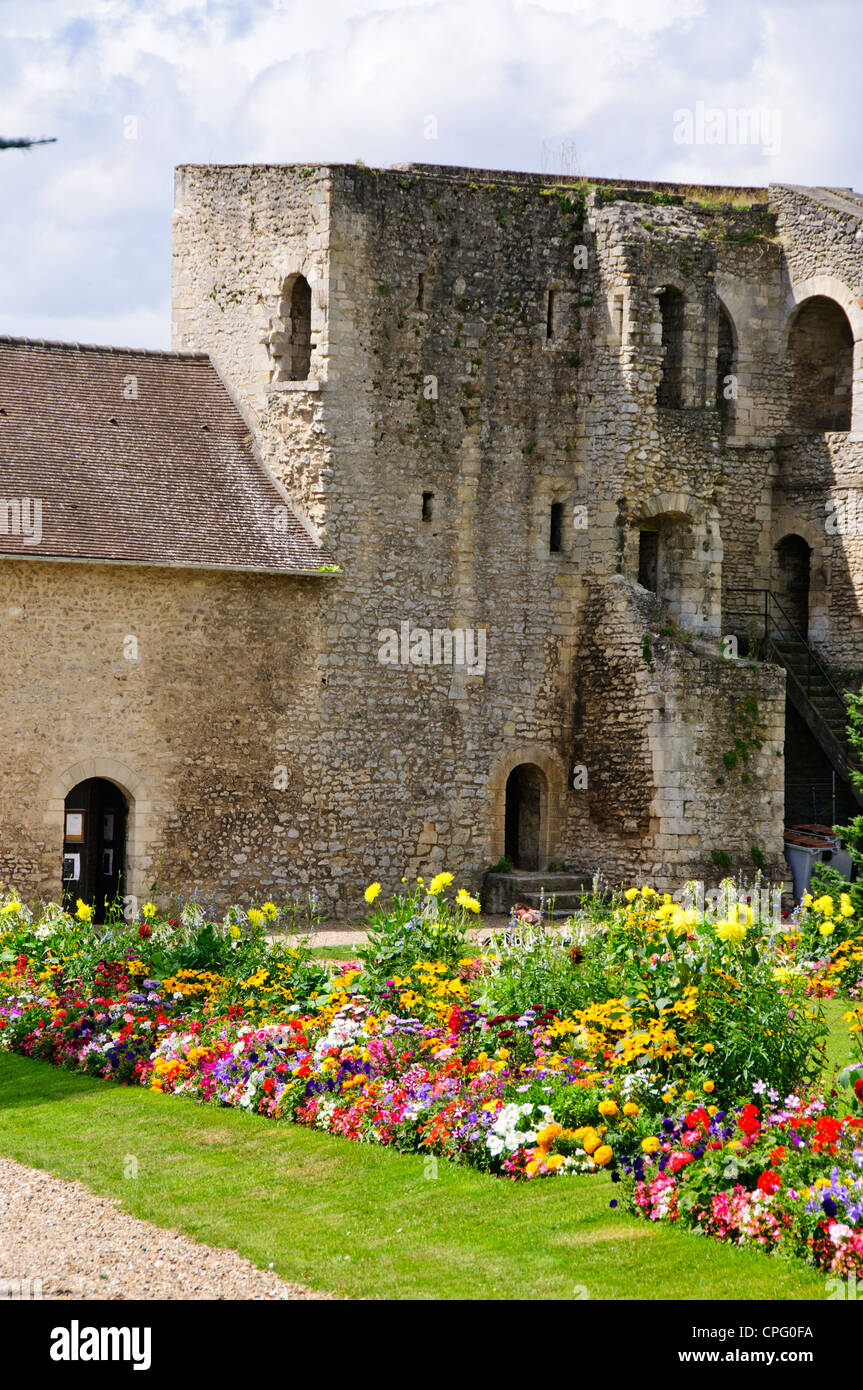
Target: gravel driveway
{"x": 69, "y": 1244}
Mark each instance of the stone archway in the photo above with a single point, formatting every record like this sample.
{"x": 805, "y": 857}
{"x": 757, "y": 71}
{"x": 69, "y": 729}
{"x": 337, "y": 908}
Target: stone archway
{"x": 680, "y": 559}
{"x": 539, "y": 795}
{"x": 813, "y": 298}
{"x": 525, "y": 810}
{"x": 134, "y": 790}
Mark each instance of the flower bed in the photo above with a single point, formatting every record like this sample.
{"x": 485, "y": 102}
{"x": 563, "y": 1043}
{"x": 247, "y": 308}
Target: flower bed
{"x": 632, "y": 1044}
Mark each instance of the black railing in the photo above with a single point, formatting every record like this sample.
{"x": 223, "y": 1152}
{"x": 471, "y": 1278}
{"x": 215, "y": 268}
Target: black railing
{"x": 765, "y": 616}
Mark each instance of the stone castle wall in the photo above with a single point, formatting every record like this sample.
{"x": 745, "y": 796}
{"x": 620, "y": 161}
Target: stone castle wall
{"x": 484, "y": 347}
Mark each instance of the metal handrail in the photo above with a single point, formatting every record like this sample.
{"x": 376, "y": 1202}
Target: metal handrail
{"x": 812, "y": 659}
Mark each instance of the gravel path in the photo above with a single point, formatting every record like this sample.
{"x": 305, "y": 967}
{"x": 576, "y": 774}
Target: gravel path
{"x": 70, "y": 1244}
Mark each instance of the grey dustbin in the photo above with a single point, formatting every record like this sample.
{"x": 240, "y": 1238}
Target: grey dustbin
{"x": 802, "y": 851}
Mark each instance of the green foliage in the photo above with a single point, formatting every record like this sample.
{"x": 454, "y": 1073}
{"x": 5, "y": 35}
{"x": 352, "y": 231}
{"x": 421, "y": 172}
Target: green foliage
{"x": 416, "y": 926}
{"x": 504, "y": 865}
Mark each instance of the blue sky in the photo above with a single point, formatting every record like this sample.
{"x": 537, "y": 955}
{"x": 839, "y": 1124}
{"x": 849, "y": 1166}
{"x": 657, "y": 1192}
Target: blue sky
{"x": 588, "y": 86}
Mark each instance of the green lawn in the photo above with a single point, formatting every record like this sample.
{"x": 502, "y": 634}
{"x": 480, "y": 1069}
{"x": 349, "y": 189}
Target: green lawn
{"x": 359, "y": 1220}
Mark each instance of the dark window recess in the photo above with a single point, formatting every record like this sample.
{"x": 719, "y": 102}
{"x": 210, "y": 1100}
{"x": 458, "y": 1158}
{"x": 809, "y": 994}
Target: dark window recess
{"x": 428, "y": 499}
{"x": 555, "y": 527}
{"x": 549, "y": 316}
{"x": 301, "y": 329}
{"x": 421, "y": 291}
{"x": 669, "y": 393}
{"x": 724, "y": 362}
{"x": 648, "y": 560}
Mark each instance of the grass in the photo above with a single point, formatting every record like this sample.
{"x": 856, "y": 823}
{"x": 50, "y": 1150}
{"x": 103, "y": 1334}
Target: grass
{"x": 359, "y": 1220}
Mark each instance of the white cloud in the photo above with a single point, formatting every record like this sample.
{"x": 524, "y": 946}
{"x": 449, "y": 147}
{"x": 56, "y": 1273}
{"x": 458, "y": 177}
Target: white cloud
{"x": 87, "y": 221}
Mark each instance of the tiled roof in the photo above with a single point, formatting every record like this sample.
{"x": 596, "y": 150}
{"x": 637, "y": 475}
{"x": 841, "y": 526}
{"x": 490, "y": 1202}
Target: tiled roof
{"x": 169, "y": 478}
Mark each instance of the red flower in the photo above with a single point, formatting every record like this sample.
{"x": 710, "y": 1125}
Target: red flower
{"x": 269, "y": 1085}
{"x": 858, "y": 1088}
{"x": 144, "y": 931}
{"x": 748, "y": 1119}
{"x": 697, "y": 1117}
{"x": 777, "y": 1154}
{"x": 769, "y": 1181}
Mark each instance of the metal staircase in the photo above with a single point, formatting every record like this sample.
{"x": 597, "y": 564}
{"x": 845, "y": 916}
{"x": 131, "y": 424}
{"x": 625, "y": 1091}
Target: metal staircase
{"x": 809, "y": 687}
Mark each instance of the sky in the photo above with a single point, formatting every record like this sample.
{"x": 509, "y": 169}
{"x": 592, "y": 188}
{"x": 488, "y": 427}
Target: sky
{"x": 644, "y": 89}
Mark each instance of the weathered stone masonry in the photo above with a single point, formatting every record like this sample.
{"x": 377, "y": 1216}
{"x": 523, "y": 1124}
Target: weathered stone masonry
{"x": 482, "y": 348}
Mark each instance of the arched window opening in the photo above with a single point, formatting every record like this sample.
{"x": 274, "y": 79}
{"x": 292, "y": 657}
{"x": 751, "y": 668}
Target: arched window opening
{"x": 793, "y": 556}
{"x": 726, "y": 377}
{"x": 669, "y": 393}
{"x": 821, "y": 353}
{"x": 301, "y": 328}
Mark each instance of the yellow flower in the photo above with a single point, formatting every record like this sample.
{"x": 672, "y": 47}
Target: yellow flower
{"x": 607, "y": 1107}
{"x": 708, "y": 1047}
{"x": 630, "y": 1108}
{"x": 234, "y": 931}
{"x": 731, "y": 931}
{"x": 603, "y": 1155}
{"x": 11, "y": 906}
{"x": 439, "y": 883}
{"x": 372, "y": 892}
{"x": 709, "y": 1087}
{"x": 631, "y": 894}
{"x": 650, "y": 1145}
{"x": 270, "y": 911}
{"x": 148, "y": 910}
{"x": 827, "y": 928}
{"x": 255, "y": 916}
{"x": 590, "y": 1141}
{"x": 464, "y": 899}
{"x": 85, "y": 912}
{"x": 554, "y": 1161}
{"x": 547, "y": 1135}
{"x": 532, "y": 1168}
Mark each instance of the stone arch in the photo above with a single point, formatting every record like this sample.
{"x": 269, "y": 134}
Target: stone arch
{"x": 134, "y": 788}
{"x": 689, "y": 555}
{"x": 793, "y": 563}
{"x": 785, "y": 523}
{"x": 294, "y": 327}
{"x": 554, "y": 772}
{"x": 840, "y": 377}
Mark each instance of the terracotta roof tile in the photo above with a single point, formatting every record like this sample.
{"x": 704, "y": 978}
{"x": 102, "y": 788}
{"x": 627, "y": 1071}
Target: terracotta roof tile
{"x": 169, "y": 478}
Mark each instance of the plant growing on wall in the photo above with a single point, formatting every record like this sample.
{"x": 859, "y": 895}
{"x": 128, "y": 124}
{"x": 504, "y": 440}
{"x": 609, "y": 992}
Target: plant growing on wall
{"x": 747, "y": 734}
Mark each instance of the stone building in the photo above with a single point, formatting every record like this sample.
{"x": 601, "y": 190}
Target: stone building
{"x": 473, "y": 514}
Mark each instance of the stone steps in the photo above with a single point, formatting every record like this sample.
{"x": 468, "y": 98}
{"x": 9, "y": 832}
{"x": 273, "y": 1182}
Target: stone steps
{"x": 501, "y": 892}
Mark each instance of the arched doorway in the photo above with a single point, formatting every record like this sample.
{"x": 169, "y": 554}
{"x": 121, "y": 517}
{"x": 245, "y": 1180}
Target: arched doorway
{"x": 793, "y": 560}
{"x": 526, "y": 811}
{"x": 821, "y": 353}
{"x": 94, "y": 845}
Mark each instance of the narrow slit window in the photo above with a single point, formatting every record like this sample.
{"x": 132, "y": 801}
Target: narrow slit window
{"x": 421, "y": 291}
{"x": 549, "y": 316}
{"x": 648, "y": 560}
{"x": 555, "y": 528}
{"x": 428, "y": 499}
